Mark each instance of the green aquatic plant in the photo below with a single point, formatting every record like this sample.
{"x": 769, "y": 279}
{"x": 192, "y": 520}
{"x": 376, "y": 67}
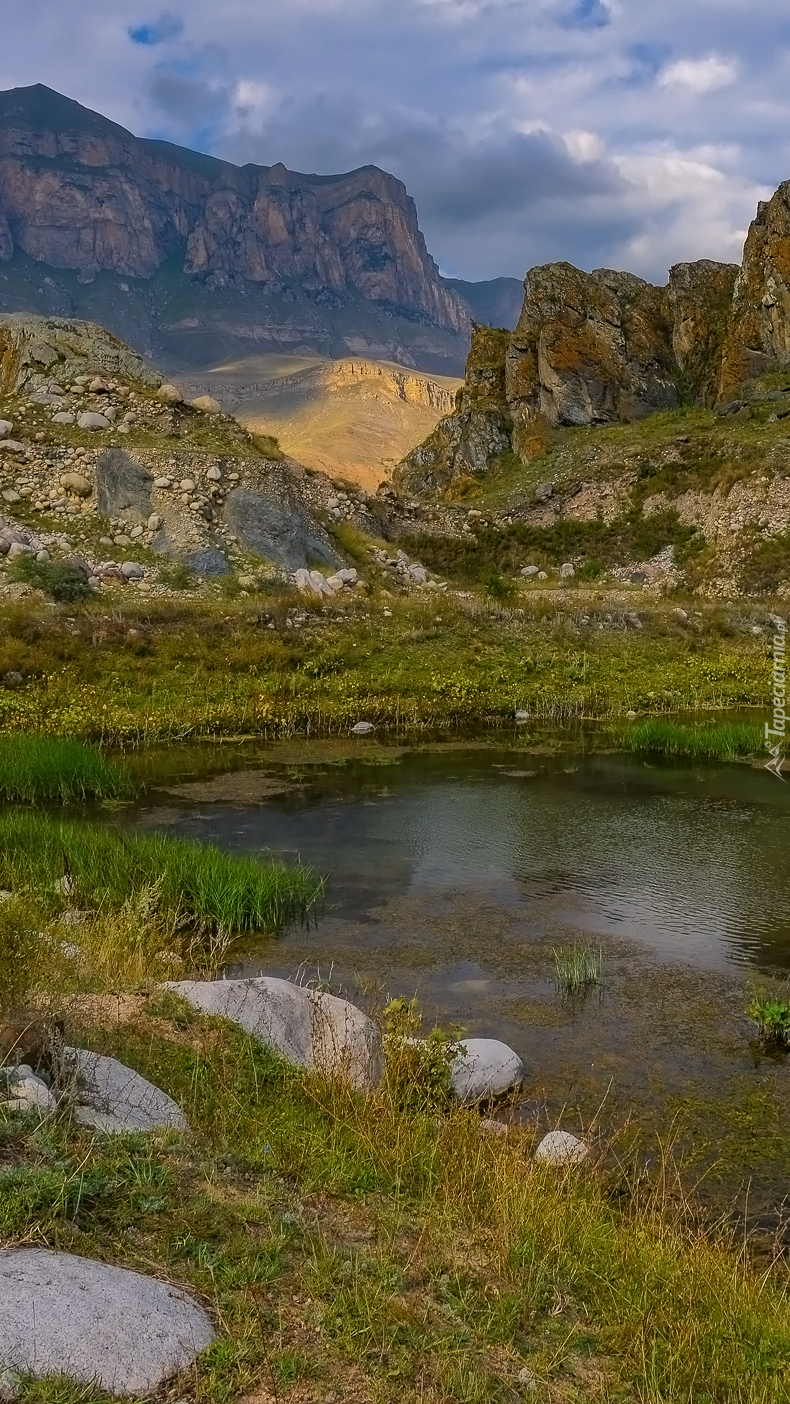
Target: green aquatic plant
{"x": 709, "y": 740}
{"x": 772, "y": 1017}
{"x": 190, "y": 884}
{"x": 578, "y": 967}
{"x": 56, "y": 768}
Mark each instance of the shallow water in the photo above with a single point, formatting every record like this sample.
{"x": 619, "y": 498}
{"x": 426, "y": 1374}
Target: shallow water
{"x": 454, "y": 873}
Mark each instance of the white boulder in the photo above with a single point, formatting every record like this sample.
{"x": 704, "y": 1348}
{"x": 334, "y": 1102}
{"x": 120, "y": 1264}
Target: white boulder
{"x": 362, "y": 728}
{"x": 486, "y": 1069}
{"x": 113, "y": 1098}
{"x": 28, "y": 1093}
{"x": 101, "y": 1325}
{"x": 561, "y": 1148}
{"x": 308, "y": 1027}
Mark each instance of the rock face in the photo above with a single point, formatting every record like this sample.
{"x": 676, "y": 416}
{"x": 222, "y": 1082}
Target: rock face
{"x": 589, "y": 348}
{"x": 64, "y": 1315}
{"x": 758, "y": 335}
{"x": 79, "y": 192}
{"x": 34, "y": 350}
{"x": 308, "y": 1027}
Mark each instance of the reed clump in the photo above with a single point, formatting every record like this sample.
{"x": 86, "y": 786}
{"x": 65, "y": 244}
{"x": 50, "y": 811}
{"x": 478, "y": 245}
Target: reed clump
{"x": 578, "y": 967}
{"x": 709, "y": 740}
{"x": 187, "y": 885}
{"x": 42, "y": 768}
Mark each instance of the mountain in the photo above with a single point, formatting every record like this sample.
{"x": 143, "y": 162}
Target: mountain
{"x": 496, "y": 303}
{"x": 194, "y": 260}
{"x": 352, "y": 419}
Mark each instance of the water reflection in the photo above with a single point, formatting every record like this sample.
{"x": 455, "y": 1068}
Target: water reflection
{"x": 690, "y": 862}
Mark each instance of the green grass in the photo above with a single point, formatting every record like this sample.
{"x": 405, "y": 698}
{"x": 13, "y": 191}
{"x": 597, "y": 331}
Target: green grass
{"x": 709, "y": 740}
{"x": 349, "y": 1247}
{"x": 35, "y": 768}
{"x": 577, "y": 967}
{"x": 187, "y": 884}
{"x": 62, "y": 582}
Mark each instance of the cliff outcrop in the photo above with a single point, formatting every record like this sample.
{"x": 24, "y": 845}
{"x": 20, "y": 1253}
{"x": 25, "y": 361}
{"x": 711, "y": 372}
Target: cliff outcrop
{"x": 589, "y": 348}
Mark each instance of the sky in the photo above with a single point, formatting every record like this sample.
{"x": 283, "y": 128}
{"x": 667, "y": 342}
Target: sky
{"x": 612, "y": 133}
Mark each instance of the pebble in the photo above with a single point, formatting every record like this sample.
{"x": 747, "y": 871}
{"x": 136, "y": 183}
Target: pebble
{"x": 163, "y": 482}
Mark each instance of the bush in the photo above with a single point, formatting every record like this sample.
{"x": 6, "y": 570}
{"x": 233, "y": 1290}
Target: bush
{"x": 62, "y": 582}
{"x": 772, "y": 1017}
{"x": 419, "y": 1070}
{"x": 497, "y": 585}
{"x": 176, "y": 576}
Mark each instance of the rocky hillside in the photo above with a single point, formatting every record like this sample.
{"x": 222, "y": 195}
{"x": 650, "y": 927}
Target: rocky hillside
{"x": 192, "y": 257}
{"x": 104, "y": 469}
{"x": 352, "y": 419}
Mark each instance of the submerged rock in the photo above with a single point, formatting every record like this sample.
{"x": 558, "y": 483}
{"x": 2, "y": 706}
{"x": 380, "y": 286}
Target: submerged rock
{"x": 65, "y": 1315}
{"x": 308, "y": 1027}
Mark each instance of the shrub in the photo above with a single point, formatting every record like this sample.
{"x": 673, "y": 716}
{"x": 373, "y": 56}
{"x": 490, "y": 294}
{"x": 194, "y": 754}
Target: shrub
{"x": 176, "y": 576}
{"x": 62, "y": 582}
{"x": 772, "y": 1017}
{"x": 419, "y": 1070}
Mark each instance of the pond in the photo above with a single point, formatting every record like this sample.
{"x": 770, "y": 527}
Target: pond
{"x": 455, "y": 872}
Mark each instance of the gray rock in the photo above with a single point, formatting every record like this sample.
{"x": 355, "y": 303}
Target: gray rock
{"x": 16, "y": 548}
{"x": 348, "y": 575}
{"x": 65, "y": 1315}
{"x": 680, "y": 615}
{"x": 13, "y": 679}
{"x": 543, "y": 492}
{"x": 169, "y": 394}
{"x": 64, "y": 417}
{"x": 90, "y": 420}
{"x": 132, "y": 570}
{"x": 362, "y": 728}
{"x": 567, "y": 570}
{"x": 6, "y": 428}
{"x": 277, "y": 526}
{"x": 319, "y": 583}
{"x": 207, "y": 405}
{"x": 418, "y": 574}
{"x": 637, "y": 577}
{"x": 487, "y": 1069}
{"x": 99, "y": 386}
{"x": 633, "y": 621}
{"x": 308, "y": 1027}
{"x": 489, "y": 1126}
{"x": 14, "y": 446}
{"x": 28, "y": 1093}
{"x": 123, "y": 487}
{"x": 522, "y": 715}
{"x": 77, "y": 484}
{"x": 542, "y": 575}
{"x": 561, "y": 1148}
{"x": 529, "y": 571}
{"x": 113, "y": 1098}
{"x": 11, "y": 495}
{"x": 209, "y": 561}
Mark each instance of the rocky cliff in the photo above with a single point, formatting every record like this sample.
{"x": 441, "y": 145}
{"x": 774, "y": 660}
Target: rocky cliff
{"x": 589, "y": 348}
{"x": 79, "y": 193}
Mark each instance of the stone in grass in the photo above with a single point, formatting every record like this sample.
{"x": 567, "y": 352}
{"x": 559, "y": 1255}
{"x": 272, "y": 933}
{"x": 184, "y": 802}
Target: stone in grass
{"x": 486, "y": 1069}
{"x": 101, "y": 1325}
{"x": 89, "y": 420}
{"x": 132, "y": 570}
{"x": 209, "y": 560}
{"x": 561, "y": 1148}
{"x": 28, "y": 1093}
{"x": 112, "y": 1098}
{"x": 6, "y": 428}
{"x": 362, "y": 728}
{"x": 307, "y": 1027}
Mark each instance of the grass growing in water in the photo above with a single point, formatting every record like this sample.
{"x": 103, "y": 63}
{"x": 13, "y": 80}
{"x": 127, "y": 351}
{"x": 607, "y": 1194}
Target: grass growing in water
{"x": 188, "y": 884}
{"x": 56, "y": 768}
{"x": 578, "y": 967}
{"x": 772, "y": 1017}
{"x": 716, "y": 740}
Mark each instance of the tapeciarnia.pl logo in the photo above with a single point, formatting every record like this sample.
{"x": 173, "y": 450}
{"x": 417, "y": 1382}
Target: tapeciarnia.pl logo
{"x": 775, "y": 733}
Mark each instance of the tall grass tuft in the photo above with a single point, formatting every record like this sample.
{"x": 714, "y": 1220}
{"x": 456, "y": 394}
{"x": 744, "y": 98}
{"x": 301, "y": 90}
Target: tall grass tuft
{"x": 578, "y": 967}
{"x": 54, "y": 768}
{"x": 718, "y": 740}
{"x": 187, "y": 884}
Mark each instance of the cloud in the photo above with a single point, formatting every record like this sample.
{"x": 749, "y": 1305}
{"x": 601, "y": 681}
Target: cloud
{"x": 166, "y": 27}
{"x": 700, "y": 75}
{"x": 602, "y": 131}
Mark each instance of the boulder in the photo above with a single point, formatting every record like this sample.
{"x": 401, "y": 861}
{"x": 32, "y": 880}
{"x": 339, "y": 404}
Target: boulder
{"x": 112, "y": 1098}
{"x": 77, "y": 484}
{"x": 529, "y": 571}
{"x": 28, "y": 1093}
{"x": 277, "y": 526}
{"x": 208, "y": 561}
{"x": 6, "y": 428}
{"x": 206, "y": 404}
{"x": 63, "y": 417}
{"x": 362, "y": 728}
{"x": 123, "y": 487}
{"x": 90, "y": 420}
{"x": 132, "y": 570}
{"x": 567, "y": 570}
{"x": 307, "y": 1027}
{"x": 561, "y": 1148}
{"x": 486, "y": 1069}
{"x": 101, "y": 1325}
{"x": 169, "y": 394}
